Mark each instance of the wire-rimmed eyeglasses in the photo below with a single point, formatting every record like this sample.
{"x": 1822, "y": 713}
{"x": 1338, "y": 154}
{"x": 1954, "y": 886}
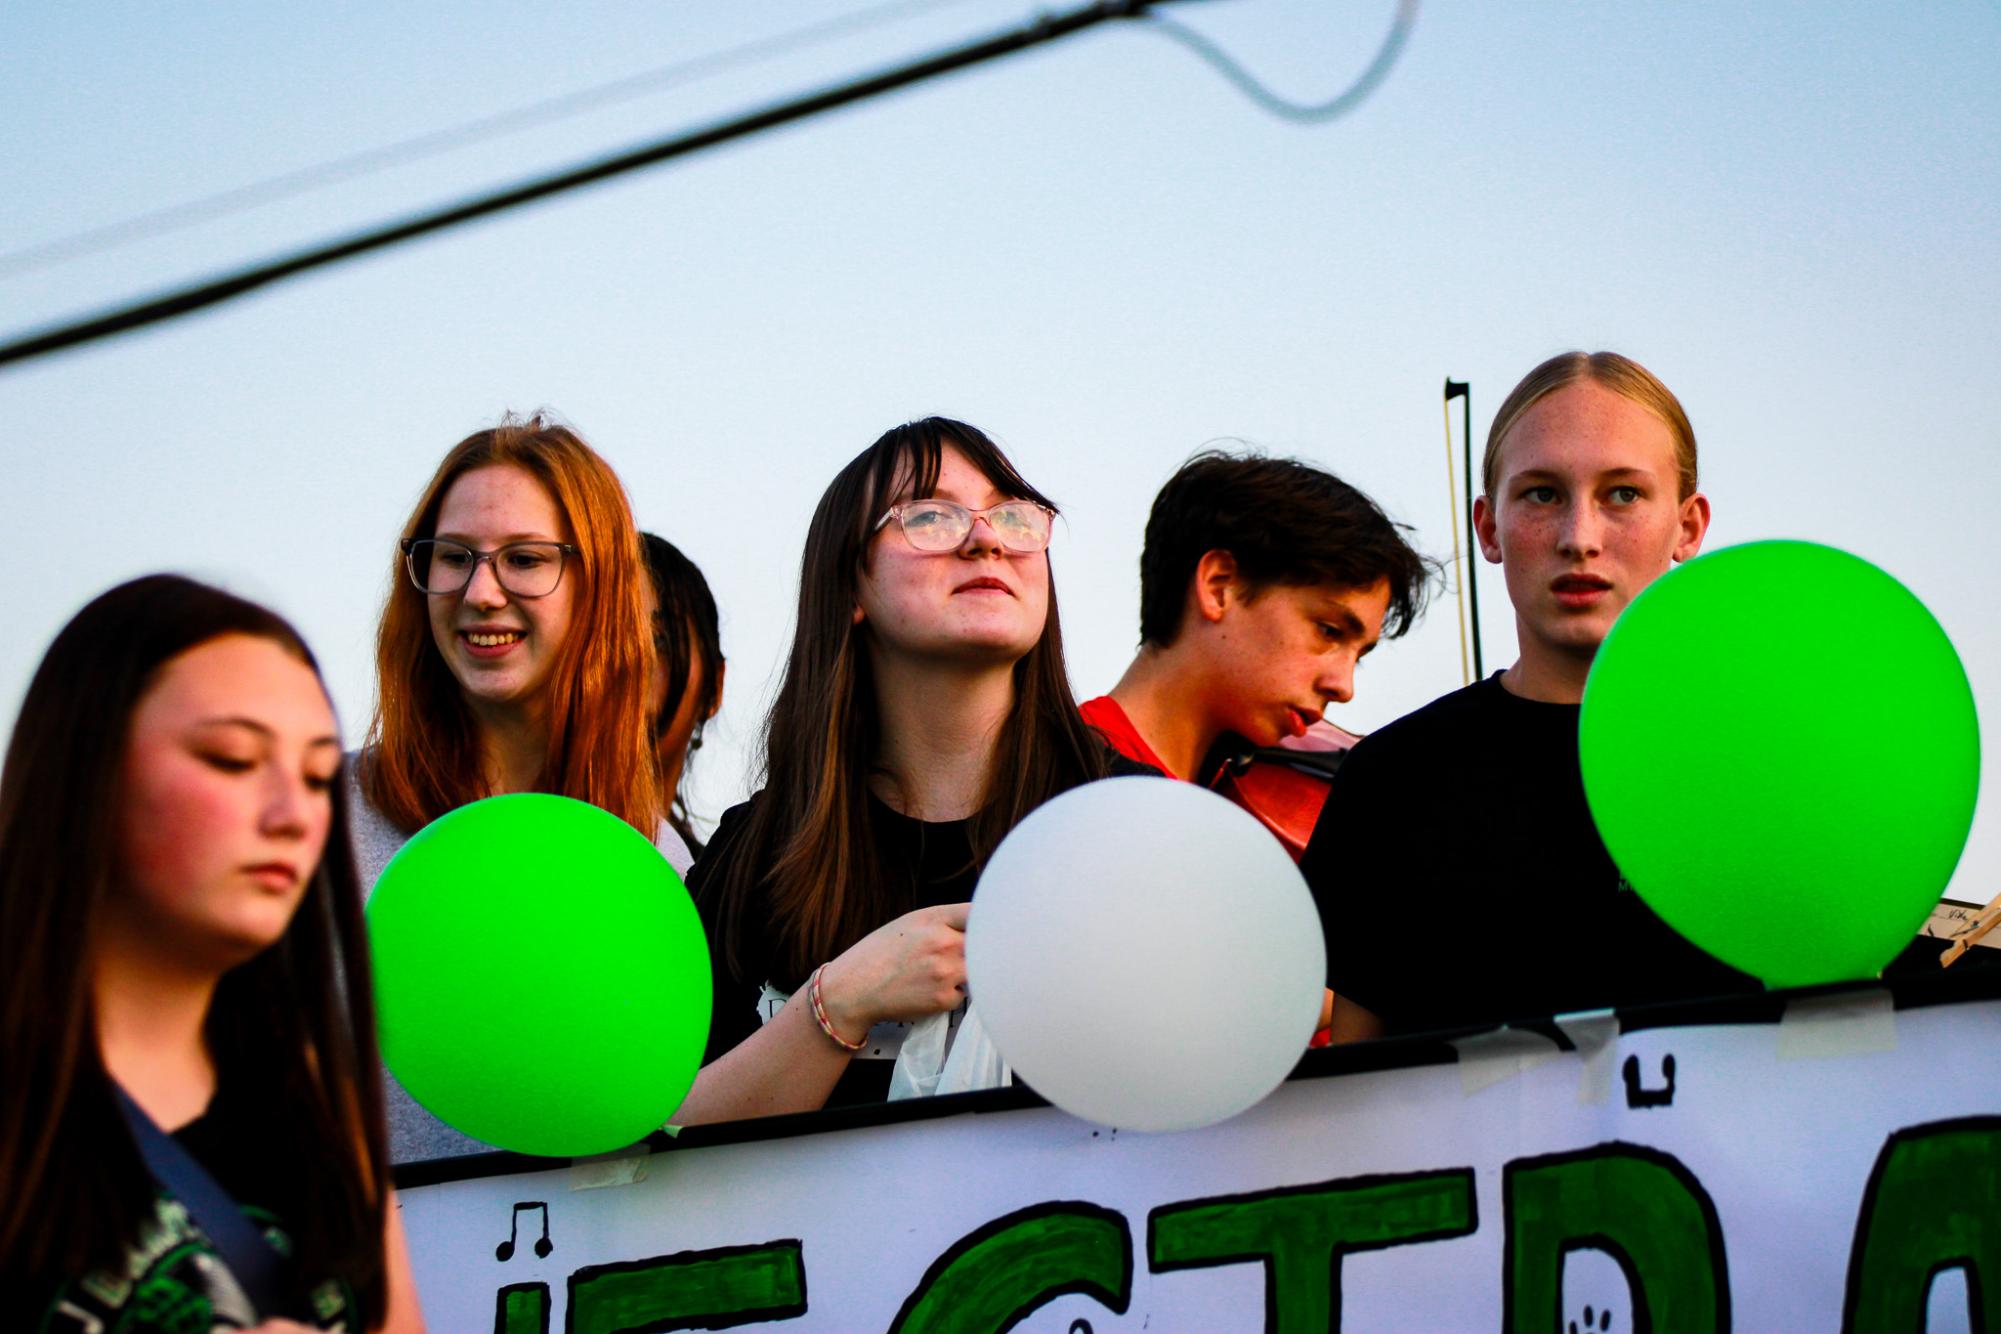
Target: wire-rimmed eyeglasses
{"x": 941, "y": 525}
{"x": 525, "y": 569}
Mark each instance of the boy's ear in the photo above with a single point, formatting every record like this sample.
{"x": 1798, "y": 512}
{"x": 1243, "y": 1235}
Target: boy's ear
{"x": 1694, "y": 523}
{"x": 1216, "y": 586}
{"x": 1484, "y": 529}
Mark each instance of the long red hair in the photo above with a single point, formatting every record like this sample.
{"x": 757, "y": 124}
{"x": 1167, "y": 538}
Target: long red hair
{"x": 425, "y": 757}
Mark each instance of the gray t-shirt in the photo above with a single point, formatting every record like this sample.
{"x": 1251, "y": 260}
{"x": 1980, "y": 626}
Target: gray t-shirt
{"x": 414, "y": 1134}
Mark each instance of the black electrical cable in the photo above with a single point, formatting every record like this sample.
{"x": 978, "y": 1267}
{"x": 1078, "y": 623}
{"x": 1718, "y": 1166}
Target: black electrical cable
{"x": 1301, "y": 113}
{"x": 435, "y": 143}
{"x": 1045, "y": 28}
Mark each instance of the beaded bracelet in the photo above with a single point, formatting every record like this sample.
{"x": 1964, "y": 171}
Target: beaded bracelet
{"x": 820, "y": 1012}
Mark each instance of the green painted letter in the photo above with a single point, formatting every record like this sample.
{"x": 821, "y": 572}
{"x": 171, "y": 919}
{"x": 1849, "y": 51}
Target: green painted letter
{"x": 988, "y": 1280}
{"x": 734, "y": 1285}
{"x": 1300, "y": 1234}
{"x": 521, "y": 1308}
{"x": 1641, "y": 1207}
{"x": 1933, "y": 1202}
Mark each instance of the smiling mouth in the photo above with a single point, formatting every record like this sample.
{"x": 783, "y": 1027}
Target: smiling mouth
{"x": 492, "y": 638}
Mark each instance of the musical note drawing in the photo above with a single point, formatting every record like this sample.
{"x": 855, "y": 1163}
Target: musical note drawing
{"x": 1645, "y": 1097}
{"x": 505, "y": 1250}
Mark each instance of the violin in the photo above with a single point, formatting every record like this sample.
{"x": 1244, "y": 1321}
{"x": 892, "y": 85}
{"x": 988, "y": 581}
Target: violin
{"x": 1285, "y": 785}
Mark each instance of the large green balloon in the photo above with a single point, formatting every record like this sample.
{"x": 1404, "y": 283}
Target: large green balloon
{"x": 541, "y": 975}
{"x": 1780, "y": 750}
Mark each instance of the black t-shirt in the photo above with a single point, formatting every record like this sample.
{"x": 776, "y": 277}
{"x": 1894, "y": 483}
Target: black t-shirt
{"x": 1460, "y": 878}
{"x": 925, "y": 863}
{"x": 172, "y": 1279}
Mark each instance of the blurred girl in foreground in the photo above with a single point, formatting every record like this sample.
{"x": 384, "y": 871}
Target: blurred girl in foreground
{"x": 181, "y": 943}
{"x": 513, "y": 656}
{"x": 925, "y": 709}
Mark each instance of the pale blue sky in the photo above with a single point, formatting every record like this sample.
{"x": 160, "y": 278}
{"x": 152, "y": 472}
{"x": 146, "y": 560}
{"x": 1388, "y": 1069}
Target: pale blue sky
{"x": 1099, "y": 252}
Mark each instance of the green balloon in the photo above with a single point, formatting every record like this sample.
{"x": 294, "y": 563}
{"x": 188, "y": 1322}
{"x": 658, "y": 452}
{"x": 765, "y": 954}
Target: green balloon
{"x": 1727, "y": 761}
{"x": 541, "y": 976}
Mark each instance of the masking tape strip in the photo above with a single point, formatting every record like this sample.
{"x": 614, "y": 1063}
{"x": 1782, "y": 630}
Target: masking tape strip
{"x": 1853, "y": 1024}
{"x": 1596, "y": 1033}
{"x": 1487, "y": 1059}
{"x": 621, "y": 1167}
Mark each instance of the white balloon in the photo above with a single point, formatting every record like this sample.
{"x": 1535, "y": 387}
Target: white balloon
{"x": 1146, "y": 955}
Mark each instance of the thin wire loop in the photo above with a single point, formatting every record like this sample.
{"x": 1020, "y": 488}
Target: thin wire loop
{"x": 1299, "y": 113}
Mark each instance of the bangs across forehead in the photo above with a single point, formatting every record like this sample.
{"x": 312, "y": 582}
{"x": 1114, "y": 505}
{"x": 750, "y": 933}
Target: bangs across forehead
{"x": 909, "y": 468}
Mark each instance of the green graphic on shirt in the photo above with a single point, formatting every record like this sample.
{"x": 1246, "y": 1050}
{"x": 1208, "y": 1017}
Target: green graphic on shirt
{"x": 1300, "y": 1234}
{"x": 988, "y": 1280}
{"x": 166, "y": 1300}
{"x": 731, "y": 1285}
{"x": 1641, "y": 1207}
{"x": 1933, "y": 1203}
{"x": 174, "y": 1282}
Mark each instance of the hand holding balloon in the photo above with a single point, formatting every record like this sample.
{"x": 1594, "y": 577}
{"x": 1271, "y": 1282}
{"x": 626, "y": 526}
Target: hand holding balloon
{"x": 908, "y": 968}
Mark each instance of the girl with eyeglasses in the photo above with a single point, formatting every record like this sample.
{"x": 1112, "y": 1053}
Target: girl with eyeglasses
{"x": 191, "y": 1131}
{"x": 925, "y": 709}
{"x": 514, "y": 655}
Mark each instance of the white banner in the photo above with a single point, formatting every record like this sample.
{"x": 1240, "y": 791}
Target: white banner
{"x": 1839, "y": 1170}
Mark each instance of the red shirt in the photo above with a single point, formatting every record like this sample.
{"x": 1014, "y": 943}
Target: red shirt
{"x": 1105, "y": 714}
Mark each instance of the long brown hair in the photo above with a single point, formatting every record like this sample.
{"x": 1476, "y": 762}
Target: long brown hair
{"x": 424, "y": 757}
{"x": 292, "y": 1030}
{"x": 687, "y": 631}
{"x": 825, "y": 887}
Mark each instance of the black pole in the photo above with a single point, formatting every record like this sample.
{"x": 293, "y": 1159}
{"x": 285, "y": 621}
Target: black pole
{"x": 1046, "y": 28}
{"x": 1463, "y": 391}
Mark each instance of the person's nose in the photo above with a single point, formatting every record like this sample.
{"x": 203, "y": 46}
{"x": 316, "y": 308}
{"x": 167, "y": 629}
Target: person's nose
{"x": 1583, "y": 532}
{"x": 980, "y": 538}
{"x": 1337, "y": 679}
{"x": 483, "y": 589}
{"x": 288, "y": 804}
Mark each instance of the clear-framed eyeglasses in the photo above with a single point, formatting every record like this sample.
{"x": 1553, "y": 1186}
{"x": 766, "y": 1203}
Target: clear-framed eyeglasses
{"x": 941, "y": 525}
{"x": 524, "y": 569}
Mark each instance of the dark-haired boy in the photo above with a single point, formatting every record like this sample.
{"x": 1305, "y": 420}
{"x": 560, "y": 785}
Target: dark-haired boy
{"x": 1263, "y": 582}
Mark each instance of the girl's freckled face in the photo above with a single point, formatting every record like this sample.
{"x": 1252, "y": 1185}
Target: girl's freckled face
{"x": 978, "y": 601}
